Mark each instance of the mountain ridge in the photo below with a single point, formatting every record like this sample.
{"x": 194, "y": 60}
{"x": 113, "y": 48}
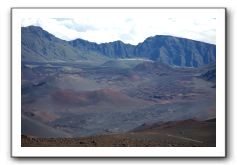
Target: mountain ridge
{"x": 38, "y": 44}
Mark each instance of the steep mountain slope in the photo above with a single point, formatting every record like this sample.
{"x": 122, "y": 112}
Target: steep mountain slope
{"x": 116, "y": 49}
{"x": 39, "y": 45}
{"x": 177, "y": 51}
{"x": 166, "y": 49}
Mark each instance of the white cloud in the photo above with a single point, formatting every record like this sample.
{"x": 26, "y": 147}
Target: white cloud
{"x": 129, "y": 27}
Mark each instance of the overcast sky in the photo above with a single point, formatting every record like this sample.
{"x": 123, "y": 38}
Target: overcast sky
{"x": 129, "y": 27}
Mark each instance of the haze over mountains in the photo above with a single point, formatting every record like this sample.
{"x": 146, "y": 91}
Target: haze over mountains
{"x": 39, "y": 45}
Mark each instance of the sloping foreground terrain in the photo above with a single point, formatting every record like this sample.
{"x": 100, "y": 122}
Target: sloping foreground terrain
{"x": 186, "y": 133}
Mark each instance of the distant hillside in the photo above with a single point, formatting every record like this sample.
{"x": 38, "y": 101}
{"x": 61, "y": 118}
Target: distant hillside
{"x": 116, "y": 49}
{"x": 177, "y": 51}
{"x": 166, "y": 49}
{"x": 153, "y": 66}
{"x": 210, "y": 75}
{"x": 39, "y": 45}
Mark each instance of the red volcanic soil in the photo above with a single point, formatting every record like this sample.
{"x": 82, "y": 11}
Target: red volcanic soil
{"x": 84, "y": 98}
{"x": 187, "y": 133}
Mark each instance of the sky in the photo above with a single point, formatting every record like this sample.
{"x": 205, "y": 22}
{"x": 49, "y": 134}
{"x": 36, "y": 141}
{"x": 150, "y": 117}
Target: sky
{"x": 129, "y": 27}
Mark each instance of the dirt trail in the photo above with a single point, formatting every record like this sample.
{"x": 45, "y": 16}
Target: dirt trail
{"x": 184, "y": 138}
